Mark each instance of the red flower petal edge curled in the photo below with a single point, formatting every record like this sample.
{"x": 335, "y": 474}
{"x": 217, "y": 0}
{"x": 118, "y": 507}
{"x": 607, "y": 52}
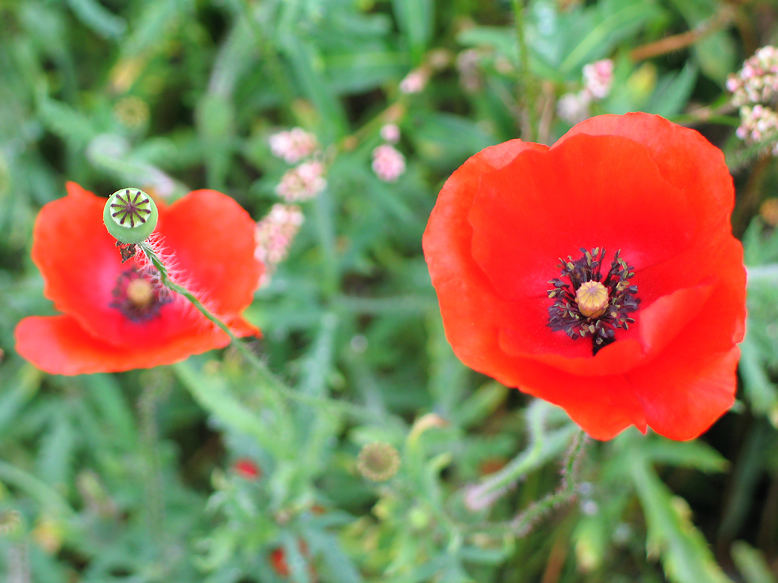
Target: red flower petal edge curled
{"x": 117, "y": 316}
{"x": 635, "y": 207}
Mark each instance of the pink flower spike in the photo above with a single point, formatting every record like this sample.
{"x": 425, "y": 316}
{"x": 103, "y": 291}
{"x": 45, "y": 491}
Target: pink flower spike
{"x": 293, "y": 145}
{"x": 598, "y": 78}
{"x": 388, "y": 163}
{"x": 302, "y": 182}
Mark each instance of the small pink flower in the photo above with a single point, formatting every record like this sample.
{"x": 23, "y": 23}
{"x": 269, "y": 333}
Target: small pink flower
{"x": 754, "y": 91}
{"x": 390, "y": 133}
{"x": 276, "y": 231}
{"x": 598, "y": 78}
{"x": 414, "y": 82}
{"x": 388, "y": 163}
{"x": 293, "y": 145}
{"x": 574, "y": 107}
{"x": 757, "y": 81}
{"x": 302, "y": 182}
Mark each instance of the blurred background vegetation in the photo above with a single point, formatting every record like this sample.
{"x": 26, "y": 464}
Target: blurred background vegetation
{"x": 193, "y": 472}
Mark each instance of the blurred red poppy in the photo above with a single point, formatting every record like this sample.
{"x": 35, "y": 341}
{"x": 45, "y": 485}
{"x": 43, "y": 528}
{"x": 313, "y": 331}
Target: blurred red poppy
{"x": 599, "y": 274}
{"x": 278, "y": 560}
{"x": 117, "y": 316}
{"x": 247, "y": 469}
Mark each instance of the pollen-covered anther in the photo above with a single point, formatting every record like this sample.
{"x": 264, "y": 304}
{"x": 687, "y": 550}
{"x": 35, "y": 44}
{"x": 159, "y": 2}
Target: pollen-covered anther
{"x": 592, "y": 299}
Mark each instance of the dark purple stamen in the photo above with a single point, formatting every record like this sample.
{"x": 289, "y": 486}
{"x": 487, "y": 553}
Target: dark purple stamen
{"x": 565, "y": 315}
{"x": 132, "y": 309}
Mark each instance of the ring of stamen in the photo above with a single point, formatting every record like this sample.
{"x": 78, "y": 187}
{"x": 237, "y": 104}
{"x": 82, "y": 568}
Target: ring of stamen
{"x": 586, "y": 304}
{"x": 138, "y": 295}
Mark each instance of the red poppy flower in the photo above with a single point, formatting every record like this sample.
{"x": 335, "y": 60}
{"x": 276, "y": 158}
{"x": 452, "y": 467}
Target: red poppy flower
{"x": 117, "y": 316}
{"x": 247, "y": 469}
{"x": 278, "y": 560}
{"x": 637, "y": 323}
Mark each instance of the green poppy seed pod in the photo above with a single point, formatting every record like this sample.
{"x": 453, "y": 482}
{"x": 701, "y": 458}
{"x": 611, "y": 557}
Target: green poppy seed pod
{"x": 130, "y": 215}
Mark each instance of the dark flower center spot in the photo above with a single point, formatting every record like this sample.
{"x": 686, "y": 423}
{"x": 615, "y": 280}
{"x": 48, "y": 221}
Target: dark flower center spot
{"x": 138, "y": 295}
{"x": 588, "y": 305}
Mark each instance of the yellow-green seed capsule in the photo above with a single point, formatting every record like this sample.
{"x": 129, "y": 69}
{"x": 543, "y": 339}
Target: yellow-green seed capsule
{"x": 130, "y": 215}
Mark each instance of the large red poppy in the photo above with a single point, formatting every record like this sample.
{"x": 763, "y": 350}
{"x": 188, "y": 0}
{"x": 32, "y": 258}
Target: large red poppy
{"x": 116, "y": 316}
{"x": 660, "y": 351}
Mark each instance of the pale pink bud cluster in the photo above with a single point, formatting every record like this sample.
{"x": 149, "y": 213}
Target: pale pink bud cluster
{"x": 388, "y": 163}
{"x": 293, "y": 145}
{"x": 574, "y": 107}
{"x": 390, "y": 133}
{"x": 755, "y": 91}
{"x": 302, "y": 182}
{"x": 598, "y": 79}
{"x": 414, "y": 82}
{"x": 758, "y": 123}
{"x": 274, "y": 235}
{"x": 757, "y": 81}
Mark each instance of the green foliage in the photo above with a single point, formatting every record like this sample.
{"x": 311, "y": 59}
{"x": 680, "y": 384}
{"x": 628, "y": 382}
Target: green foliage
{"x": 133, "y": 477}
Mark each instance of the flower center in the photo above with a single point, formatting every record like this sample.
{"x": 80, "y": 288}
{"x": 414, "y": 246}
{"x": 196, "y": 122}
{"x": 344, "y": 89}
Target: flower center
{"x": 140, "y": 292}
{"x": 592, "y": 299}
{"x": 138, "y": 295}
{"x": 588, "y": 305}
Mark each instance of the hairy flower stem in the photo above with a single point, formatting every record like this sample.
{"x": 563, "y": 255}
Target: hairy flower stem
{"x": 542, "y": 447}
{"x": 522, "y": 524}
{"x": 270, "y": 380}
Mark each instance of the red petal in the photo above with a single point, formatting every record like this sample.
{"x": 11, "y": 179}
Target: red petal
{"x": 76, "y": 256}
{"x": 59, "y": 345}
{"x": 584, "y": 193}
{"x": 684, "y": 157}
{"x": 471, "y": 312}
{"x": 602, "y": 406}
{"x": 681, "y": 402}
{"x": 212, "y": 240}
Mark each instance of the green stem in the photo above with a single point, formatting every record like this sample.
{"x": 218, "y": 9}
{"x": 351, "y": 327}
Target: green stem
{"x": 47, "y": 496}
{"x": 270, "y": 380}
{"x": 542, "y": 447}
{"x": 527, "y": 83}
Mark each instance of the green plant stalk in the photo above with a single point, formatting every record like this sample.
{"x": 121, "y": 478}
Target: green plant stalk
{"x": 763, "y": 273}
{"x": 542, "y": 447}
{"x": 527, "y": 82}
{"x": 47, "y": 496}
{"x": 270, "y": 380}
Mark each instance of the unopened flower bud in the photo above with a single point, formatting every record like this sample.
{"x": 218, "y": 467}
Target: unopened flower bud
{"x": 378, "y": 461}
